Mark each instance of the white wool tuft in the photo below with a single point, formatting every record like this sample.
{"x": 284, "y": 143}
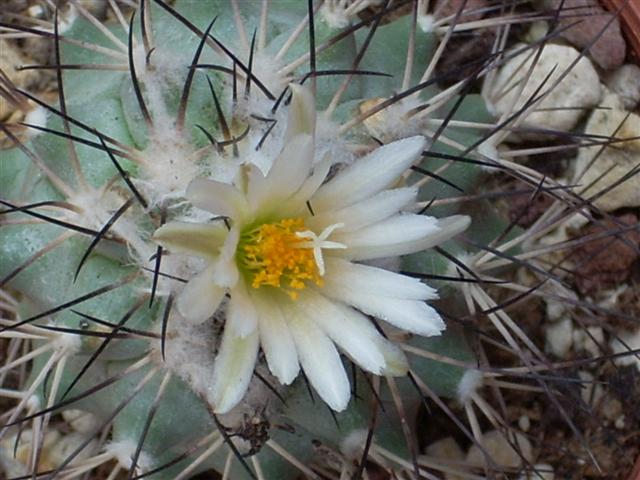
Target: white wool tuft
{"x": 124, "y": 450}
{"x": 38, "y": 118}
{"x": 469, "y": 384}
{"x": 352, "y": 445}
{"x": 426, "y": 23}
{"x": 169, "y": 168}
{"x": 67, "y": 19}
{"x": 70, "y": 343}
{"x": 490, "y": 154}
{"x": 34, "y": 404}
{"x": 394, "y": 122}
{"x": 329, "y": 144}
{"x": 340, "y": 14}
{"x": 191, "y": 355}
{"x": 98, "y": 206}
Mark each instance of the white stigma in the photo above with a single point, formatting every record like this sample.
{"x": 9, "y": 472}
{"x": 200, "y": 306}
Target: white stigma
{"x": 318, "y": 242}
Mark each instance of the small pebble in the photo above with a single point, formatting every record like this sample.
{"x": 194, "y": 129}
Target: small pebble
{"x": 80, "y": 421}
{"x": 537, "y": 31}
{"x": 555, "y": 309}
{"x": 541, "y": 471}
{"x": 95, "y": 7}
{"x": 15, "y": 452}
{"x": 446, "y": 449}
{"x": 559, "y": 337}
{"x": 69, "y": 443}
{"x": 578, "y": 90}
{"x": 589, "y": 340}
{"x": 624, "y": 342}
{"x": 471, "y": 13}
{"x": 613, "y": 162}
{"x": 524, "y": 422}
{"x": 500, "y": 450}
{"x": 10, "y": 58}
{"x": 612, "y": 408}
{"x": 35, "y": 11}
{"x": 625, "y": 81}
{"x": 583, "y": 21}
{"x": 591, "y": 392}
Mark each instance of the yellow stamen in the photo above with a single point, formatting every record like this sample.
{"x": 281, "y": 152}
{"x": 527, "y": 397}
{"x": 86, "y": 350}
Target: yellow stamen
{"x": 272, "y": 254}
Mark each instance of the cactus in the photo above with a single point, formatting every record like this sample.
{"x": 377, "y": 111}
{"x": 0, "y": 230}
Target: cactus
{"x": 121, "y": 197}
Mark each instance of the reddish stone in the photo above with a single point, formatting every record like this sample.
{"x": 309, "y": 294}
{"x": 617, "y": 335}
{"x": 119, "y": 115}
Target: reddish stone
{"x": 630, "y": 14}
{"x": 446, "y": 8}
{"x": 610, "y": 50}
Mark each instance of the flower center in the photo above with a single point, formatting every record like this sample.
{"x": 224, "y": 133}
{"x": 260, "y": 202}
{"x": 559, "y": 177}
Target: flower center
{"x": 284, "y": 254}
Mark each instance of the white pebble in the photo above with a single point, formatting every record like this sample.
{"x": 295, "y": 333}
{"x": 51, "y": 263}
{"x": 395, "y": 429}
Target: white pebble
{"x": 578, "y": 89}
{"x": 501, "y": 450}
{"x": 445, "y": 448}
{"x": 469, "y": 384}
{"x": 598, "y": 169}
{"x": 591, "y": 391}
{"x": 559, "y": 337}
{"x": 524, "y": 422}
{"x": 625, "y": 81}
{"x": 80, "y": 421}
{"x": 624, "y": 342}
{"x": 449, "y": 450}
{"x": 555, "y": 309}
{"x": 541, "y": 471}
{"x": 589, "y": 340}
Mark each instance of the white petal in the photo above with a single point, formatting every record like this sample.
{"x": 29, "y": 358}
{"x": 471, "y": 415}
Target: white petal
{"x": 200, "y": 297}
{"x": 288, "y": 173}
{"x": 201, "y": 239}
{"x": 369, "y": 175}
{"x": 396, "y": 364}
{"x": 366, "y": 212}
{"x": 319, "y": 358}
{"x": 233, "y": 368}
{"x": 226, "y": 270}
{"x": 257, "y": 186}
{"x": 342, "y": 274}
{"x": 411, "y": 315}
{"x": 399, "y": 235}
{"x": 242, "y": 311}
{"x": 309, "y": 187}
{"x": 389, "y": 234}
{"x": 276, "y": 340}
{"x": 302, "y": 112}
{"x": 217, "y": 198}
{"x": 354, "y": 334}
{"x": 292, "y": 167}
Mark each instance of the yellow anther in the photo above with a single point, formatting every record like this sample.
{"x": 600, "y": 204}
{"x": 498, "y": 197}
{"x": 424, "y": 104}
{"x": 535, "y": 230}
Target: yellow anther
{"x": 272, "y": 254}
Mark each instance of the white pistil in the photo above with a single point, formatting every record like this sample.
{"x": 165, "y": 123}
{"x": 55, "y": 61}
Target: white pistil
{"x": 318, "y": 242}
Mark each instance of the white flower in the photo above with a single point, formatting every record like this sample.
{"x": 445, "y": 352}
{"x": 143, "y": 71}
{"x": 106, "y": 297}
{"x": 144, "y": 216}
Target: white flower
{"x": 286, "y": 256}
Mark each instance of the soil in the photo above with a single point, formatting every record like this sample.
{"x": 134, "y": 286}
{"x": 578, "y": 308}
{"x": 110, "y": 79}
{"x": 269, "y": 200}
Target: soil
{"x": 607, "y": 262}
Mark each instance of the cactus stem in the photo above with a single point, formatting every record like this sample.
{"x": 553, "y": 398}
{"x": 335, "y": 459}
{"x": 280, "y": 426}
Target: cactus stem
{"x": 96, "y": 354}
{"x": 152, "y": 411}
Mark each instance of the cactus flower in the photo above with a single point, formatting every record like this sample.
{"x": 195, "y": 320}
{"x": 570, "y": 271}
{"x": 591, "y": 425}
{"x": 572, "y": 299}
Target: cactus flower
{"x": 287, "y": 247}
